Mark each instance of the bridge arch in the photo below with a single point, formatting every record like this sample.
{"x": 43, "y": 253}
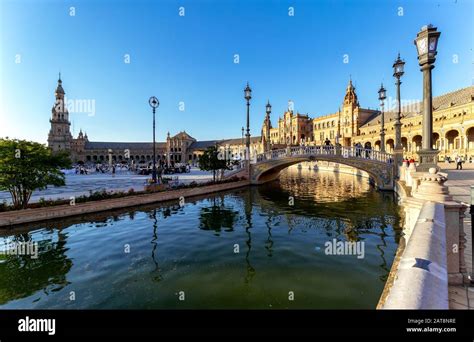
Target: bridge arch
{"x": 378, "y": 165}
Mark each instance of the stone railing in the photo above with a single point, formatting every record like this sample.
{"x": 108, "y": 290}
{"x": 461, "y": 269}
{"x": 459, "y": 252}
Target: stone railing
{"x": 337, "y": 151}
{"x": 421, "y": 278}
{"x": 435, "y": 241}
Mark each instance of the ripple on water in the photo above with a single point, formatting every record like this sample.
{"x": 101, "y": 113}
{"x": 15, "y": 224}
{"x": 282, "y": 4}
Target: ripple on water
{"x": 241, "y": 249}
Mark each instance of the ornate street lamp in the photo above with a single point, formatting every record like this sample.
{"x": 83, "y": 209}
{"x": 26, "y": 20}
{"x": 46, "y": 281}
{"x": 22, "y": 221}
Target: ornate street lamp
{"x": 398, "y": 71}
{"x": 248, "y": 96}
{"x": 268, "y": 109}
{"x": 426, "y": 44}
{"x": 154, "y": 103}
{"x": 382, "y": 97}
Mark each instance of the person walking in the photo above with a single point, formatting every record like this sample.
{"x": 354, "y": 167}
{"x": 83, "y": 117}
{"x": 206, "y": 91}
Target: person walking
{"x": 160, "y": 174}
{"x": 368, "y": 150}
{"x": 358, "y": 149}
{"x": 458, "y": 163}
{"x": 327, "y": 142}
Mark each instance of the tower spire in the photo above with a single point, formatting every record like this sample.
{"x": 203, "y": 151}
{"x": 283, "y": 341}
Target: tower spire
{"x": 59, "y": 137}
{"x": 59, "y": 89}
{"x": 350, "y": 96}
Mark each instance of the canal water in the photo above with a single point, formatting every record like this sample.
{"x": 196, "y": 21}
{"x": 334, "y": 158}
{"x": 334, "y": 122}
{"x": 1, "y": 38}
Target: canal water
{"x": 259, "y": 247}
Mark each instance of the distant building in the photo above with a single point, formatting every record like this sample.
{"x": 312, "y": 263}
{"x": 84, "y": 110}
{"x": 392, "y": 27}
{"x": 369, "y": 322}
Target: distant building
{"x": 453, "y": 129}
{"x": 180, "y": 148}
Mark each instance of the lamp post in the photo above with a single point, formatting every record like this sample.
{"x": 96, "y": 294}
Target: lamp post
{"x": 338, "y": 136}
{"x": 398, "y": 72}
{"x": 242, "y": 135}
{"x": 426, "y": 44}
{"x": 268, "y": 108}
{"x": 154, "y": 103}
{"x": 248, "y": 96}
{"x": 382, "y": 97}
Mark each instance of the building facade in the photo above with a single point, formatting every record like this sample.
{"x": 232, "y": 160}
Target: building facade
{"x": 453, "y": 135}
{"x": 453, "y": 126}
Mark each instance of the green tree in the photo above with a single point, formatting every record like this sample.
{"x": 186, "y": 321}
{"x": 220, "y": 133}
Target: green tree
{"x": 212, "y": 160}
{"x": 26, "y": 166}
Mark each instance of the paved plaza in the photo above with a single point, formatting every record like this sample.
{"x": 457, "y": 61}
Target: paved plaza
{"x": 77, "y": 185}
{"x": 459, "y": 182}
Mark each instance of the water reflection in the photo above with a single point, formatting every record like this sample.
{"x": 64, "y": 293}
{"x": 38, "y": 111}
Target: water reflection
{"x": 191, "y": 248}
{"x": 217, "y": 217}
{"x": 248, "y": 218}
{"x": 156, "y": 271}
{"x": 269, "y": 242}
{"x": 22, "y": 276}
{"x": 351, "y": 209}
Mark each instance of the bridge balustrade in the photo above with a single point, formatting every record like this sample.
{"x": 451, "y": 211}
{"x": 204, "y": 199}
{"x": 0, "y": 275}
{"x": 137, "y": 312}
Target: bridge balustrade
{"x": 342, "y": 151}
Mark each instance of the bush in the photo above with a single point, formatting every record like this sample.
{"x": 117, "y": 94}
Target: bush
{"x": 4, "y": 206}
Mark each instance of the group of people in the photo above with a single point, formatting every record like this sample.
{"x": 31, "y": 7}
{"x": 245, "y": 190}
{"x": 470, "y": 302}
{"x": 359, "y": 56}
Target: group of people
{"x": 358, "y": 146}
{"x": 104, "y": 168}
{"x": 85, "y": 169}
{"x": 81, "y": 169}
{"x": 458, "y": 160}
{"x": 408, "y": 161}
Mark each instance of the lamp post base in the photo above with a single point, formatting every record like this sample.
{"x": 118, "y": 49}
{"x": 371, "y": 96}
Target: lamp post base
{"x": 428, "y": 160}
{"x": 398, "y": 160}
{"x": 398, "y": 155}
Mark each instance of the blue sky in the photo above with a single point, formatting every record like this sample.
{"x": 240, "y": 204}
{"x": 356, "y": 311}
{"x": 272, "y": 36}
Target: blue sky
{"x": 190, "y": 59}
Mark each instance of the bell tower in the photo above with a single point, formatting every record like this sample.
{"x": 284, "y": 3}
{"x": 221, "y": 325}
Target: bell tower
{"x": 59, "y": 137}
{"x": 349, "y": 119}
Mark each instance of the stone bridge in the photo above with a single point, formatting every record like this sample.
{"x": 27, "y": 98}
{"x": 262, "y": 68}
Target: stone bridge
{"x": 380, "y": 166}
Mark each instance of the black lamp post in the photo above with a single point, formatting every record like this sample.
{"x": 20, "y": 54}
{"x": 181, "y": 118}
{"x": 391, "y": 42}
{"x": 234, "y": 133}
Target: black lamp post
{"x": 398, "y": 71}
{"x": 382, "y": 97}
{"x": 154, "y": 103}
{"x": 242, "y": 135}
{"x": 248, "y": 96}
{"x": 426, "y": 44}
{"x": 268, "y": 108}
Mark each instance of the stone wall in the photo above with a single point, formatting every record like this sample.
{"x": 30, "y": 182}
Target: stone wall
{"x": 421, "y": 278}
{"x": 434, "y": 238}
